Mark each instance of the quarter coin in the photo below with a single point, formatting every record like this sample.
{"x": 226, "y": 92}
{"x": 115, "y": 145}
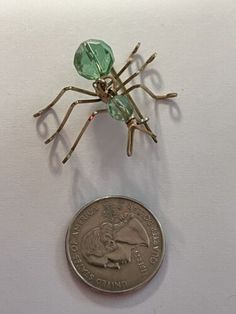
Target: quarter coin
{"x": 115, "y": 244}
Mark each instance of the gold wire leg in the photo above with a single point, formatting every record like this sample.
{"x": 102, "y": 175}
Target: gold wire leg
{"x": 130, "y": 59}
{"x": 149, "y": 92}
{"x": 131, "y": 130}
{"x": 91, "y": 117}
{"x": 154, "y": 137}
{"x": 149, "y": 60}
{"x": 62, "y": 92}
{"x": 130, "y": 141}
{"x": 138, "y": 127}
{"x": 66, "y": 117}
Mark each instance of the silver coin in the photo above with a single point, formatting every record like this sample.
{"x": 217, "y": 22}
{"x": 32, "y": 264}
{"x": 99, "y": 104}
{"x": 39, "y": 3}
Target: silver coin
{"x": 115, "y": 244}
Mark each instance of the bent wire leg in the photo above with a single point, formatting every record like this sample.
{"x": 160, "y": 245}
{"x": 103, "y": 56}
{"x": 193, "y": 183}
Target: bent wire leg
{"x": 133, "y": 104}
{"x": 149, "y": 92}
{"x": 130, "y": 141}
{"x": 138, "y": 127}
{"x": 131, "y": 130}
{"x": 62, "y": 92}
{"x": 66, "y": 117}
{"x": 91, "y": 117}
{"x": 129, "y": 60}
{"x": 149, "y": 60}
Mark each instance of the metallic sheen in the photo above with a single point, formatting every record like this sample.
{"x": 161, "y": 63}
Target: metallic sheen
{"x": 115, "y": 244}
{"x": 94, "y": 60}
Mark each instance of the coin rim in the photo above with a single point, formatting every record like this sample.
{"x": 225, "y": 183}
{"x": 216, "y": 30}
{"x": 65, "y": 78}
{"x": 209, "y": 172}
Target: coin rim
{"x": 69, "y": 259}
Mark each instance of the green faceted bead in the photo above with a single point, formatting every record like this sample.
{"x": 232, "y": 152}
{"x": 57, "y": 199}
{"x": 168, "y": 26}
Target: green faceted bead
{"x": 93, "y": 59}
{"x": 120, "y": 108}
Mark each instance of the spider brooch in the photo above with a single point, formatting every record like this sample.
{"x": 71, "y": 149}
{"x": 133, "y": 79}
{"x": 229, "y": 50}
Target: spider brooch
{"x": 94, "y": 60}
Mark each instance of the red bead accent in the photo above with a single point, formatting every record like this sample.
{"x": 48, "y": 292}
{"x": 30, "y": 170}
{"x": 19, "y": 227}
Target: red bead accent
{"x": 91, "y": 117}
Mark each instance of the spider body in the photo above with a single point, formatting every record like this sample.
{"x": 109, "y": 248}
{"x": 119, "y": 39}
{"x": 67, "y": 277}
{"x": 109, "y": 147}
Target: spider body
{"x": 94, "y": 60}
{"x": 119, "y": 106}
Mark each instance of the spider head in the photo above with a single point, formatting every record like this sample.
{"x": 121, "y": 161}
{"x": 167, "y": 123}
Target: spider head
{"x": 104, "y": 87}
{"x": 100, "y": 85}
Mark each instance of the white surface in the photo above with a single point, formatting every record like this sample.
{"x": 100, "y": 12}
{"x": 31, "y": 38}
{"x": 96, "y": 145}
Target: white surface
{"x": 188, "y": 179}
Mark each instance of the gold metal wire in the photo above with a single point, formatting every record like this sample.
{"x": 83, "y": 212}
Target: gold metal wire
{"x": 62, "y": 92}
{"x": 91, "y": 117}
{"x": 137, "y": 122}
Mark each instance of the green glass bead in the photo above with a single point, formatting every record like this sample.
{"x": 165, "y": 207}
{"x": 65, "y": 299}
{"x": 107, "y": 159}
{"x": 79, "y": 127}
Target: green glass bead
{"x": 93, "y": 59}
{"x": 120, "y": 108}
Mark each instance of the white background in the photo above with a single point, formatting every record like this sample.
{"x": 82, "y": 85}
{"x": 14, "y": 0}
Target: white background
{"x": 188, "y": 179}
